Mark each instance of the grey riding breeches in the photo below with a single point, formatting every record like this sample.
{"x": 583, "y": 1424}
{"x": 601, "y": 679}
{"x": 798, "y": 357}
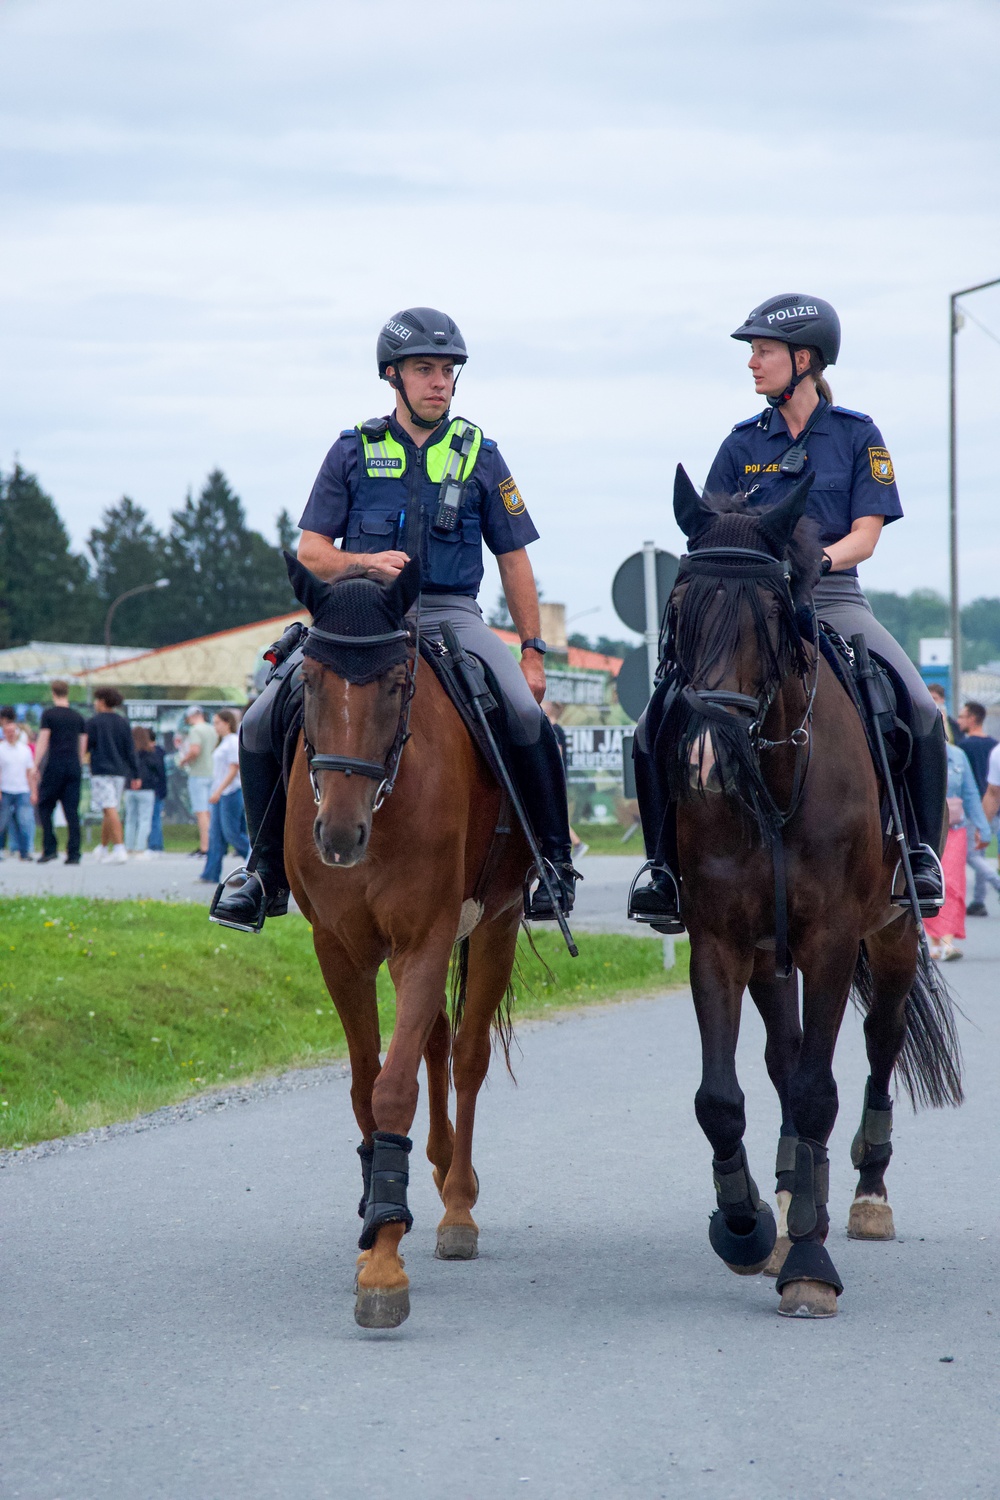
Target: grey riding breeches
{"x": 840, "y": 601}
{"x": 524, "y": 716}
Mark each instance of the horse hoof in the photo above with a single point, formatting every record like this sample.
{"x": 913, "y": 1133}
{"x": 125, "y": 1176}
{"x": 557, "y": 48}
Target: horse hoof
{"x": 776, "y": 1259}
{"x": 457, "y": 1242}
{"x": 382, "y": 1308}
{"x": 808, "y": 1299}
{"x": 870, "y": 1219}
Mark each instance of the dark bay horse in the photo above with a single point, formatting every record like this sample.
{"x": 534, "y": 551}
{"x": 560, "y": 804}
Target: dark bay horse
{"x": 430, "y": 869}
{"x": 766, "y": 759}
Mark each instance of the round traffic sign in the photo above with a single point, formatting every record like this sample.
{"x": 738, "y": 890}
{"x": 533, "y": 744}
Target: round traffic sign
{"x": 632, "y": 682}
{"x": 628, "y": 592}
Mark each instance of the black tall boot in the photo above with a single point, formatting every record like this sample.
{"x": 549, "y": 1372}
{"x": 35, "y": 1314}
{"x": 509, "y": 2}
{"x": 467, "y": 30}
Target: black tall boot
{"x": 926, "y": 780}
{"x": 656, "y": 900}
{"x": 538, "y": 772}
{"x": 248, "y": 896}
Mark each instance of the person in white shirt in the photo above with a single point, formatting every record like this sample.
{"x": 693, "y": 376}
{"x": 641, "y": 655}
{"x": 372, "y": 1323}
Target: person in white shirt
{"x": 229, "y": 824}
{"x": 18, "y": 785}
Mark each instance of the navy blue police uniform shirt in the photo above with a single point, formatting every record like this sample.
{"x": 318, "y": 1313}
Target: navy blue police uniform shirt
{"x": 854, "y": 474}
{"x": 490, "y": 494}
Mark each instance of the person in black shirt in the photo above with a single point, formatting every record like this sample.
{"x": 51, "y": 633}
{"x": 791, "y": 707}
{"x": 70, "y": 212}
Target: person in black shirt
{"x": 112, "y": 763}
{"x": 62, "y": 744}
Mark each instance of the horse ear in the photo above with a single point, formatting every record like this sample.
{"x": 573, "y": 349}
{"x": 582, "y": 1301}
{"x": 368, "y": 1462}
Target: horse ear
{"x": 311, "y": 592}
{"x": 404, "y": 588}
{"x": 689, "y": 508}
{"x": 780, "y": 520}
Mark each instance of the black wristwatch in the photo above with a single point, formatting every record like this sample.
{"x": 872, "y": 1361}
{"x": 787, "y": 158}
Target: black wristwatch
{"x": 535, "y": 644}
{"x": 826, "y": 566}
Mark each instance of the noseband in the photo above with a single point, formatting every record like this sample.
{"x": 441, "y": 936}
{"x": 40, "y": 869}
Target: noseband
{"x": 384, "y": 772}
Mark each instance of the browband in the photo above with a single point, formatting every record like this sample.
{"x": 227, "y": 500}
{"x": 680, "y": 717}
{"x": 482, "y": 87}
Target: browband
{"x": 359, "y": 640}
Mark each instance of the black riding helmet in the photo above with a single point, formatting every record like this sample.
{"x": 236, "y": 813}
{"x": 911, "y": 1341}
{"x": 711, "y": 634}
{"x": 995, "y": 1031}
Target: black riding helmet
{"x": 417, "y": 330}
{"x": 801, "y": 322}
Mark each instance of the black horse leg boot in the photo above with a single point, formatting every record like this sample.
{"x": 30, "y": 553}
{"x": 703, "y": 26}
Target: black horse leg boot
{"x": 541, "y": 781}
{"x": 926, "y": 780}
{"x": 655, "y": 900}
{"x": 261, "y": 889}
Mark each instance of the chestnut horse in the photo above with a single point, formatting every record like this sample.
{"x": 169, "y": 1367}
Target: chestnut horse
{"x": 430, "y": 869}
{"x": 766, "y": 760}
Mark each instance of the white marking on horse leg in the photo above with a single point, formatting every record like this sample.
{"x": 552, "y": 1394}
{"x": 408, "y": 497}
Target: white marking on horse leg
{"x": 783, "y": 1199}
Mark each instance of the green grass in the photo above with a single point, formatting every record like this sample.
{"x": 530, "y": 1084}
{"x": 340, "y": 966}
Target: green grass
{"x": 109, "y": 1009}
{"x": 606, "y": 838}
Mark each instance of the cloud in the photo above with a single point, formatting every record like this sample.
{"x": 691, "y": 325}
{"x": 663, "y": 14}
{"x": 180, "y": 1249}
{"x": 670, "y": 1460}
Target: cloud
{"x": 210, "y": 209}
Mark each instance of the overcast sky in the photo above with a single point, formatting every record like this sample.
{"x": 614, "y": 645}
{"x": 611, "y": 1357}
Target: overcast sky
{"x": 209, "y": 207}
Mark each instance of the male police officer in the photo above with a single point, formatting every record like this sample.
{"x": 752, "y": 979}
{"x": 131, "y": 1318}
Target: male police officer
{"x": 421, "y": 483}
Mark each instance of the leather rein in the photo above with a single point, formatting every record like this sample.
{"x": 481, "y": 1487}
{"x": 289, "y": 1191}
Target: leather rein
{"x": 383, "y": 772}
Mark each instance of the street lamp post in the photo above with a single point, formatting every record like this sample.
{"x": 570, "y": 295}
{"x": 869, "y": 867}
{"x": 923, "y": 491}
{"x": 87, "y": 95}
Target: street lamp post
{"x": 143, "y": 588}
{"x": 956, "y": 623}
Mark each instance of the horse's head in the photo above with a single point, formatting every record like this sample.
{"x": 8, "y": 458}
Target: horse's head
{"x": 732, "y": 615}
{"x": 733, "y": 633}
{"x": 358, "y": 682}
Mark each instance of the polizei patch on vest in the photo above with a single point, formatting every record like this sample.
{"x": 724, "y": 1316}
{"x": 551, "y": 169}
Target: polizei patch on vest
{"x": 511, "y": 496}
{"x": 881, "y": 465}
{"x": 380, "y": 465}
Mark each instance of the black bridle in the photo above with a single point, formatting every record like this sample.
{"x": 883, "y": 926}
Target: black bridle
{"x": 720, "y": 704}
{"x": 384, "y": 772}
{"x": 712, "y": 703}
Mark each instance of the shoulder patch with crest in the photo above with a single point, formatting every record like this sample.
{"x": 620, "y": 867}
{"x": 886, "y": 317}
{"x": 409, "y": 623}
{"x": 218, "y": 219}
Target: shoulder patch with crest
{"x": 511, "y": 496}
{"x": 881, "y": 465}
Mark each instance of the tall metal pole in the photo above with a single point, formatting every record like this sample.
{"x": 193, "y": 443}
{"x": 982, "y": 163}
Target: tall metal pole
{"x": 652, "y": 612}
{"x": 955, "y": 611}
{"x": 956, "y": 618}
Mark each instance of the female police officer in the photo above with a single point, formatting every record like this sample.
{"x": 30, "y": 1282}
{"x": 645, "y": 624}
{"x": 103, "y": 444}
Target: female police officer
{"x": 419, "y": 482}
{"x": 792, "y": 339}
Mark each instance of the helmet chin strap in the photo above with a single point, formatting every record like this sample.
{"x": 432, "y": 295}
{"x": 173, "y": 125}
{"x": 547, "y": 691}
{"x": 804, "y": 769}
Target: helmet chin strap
{"x": 789, "y": 390}
{"x": 396, "y": 381}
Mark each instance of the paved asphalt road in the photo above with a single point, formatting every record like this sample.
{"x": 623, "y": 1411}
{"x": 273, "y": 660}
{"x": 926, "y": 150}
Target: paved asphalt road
{"x": 174, "y": 877}
{"x": 177, "y": 1305}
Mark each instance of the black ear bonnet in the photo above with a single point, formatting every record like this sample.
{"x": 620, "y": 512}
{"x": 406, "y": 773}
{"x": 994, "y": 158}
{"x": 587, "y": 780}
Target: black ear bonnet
{"x": 359, "y": 626}
{"x": 357, "y": 607}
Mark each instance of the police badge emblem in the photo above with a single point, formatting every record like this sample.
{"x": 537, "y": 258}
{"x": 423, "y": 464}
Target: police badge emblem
{"x": 881, "y": 465}
{"x": 511, "y": 496}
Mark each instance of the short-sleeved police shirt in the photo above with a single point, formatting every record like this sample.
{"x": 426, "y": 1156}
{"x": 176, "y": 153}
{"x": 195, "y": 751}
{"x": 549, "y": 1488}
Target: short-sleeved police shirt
{"x": 854, "y": 474}
{"x": 506, "y": 525}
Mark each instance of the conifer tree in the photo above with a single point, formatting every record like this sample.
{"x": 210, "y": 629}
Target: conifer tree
{"x": 46, "y": 593}
{"x": 128, "y": 551}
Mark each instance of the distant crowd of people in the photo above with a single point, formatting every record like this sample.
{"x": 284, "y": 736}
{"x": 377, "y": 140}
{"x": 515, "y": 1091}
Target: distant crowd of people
{"x": 128, "y": 782}
{"x": 973, "y": 801}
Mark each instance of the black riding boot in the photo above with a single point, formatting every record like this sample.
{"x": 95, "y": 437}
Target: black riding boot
{"x": 657, "y": 900}
{"x": 244, "y": 900}
{"x": 541, "y": 781}
{"x": 926, "y": 780}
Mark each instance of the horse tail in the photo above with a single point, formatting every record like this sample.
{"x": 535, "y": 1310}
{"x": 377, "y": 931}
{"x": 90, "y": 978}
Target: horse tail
{"x": 458, "y": 989}
{"x": 459, "y": 982}
{"x": 930, "y": 1060}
